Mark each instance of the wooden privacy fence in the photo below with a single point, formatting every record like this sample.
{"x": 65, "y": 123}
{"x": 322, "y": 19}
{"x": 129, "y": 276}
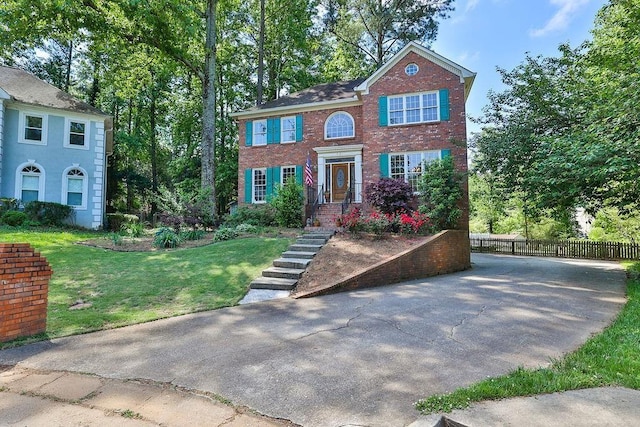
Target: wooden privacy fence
{"x": 559, "y": 248}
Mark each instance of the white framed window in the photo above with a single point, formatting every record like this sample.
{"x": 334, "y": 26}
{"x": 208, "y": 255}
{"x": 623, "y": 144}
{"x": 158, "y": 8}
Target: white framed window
{"x": 411, "y": 69}
{"x": 339, "y": 125}
{"x": 259, "y": 185}
{"x": 288, "y": 129}
{"x": 259, "y": 132}
{"x": 29, "y": 182}
{"x": 408, "y": 166}
{"x": 414, "y": 108}
{"x": 75, "y": 187}
{"x": 76, "y": 134}
{"x": 33, "y": 128}
{"x": 287, "y": 172}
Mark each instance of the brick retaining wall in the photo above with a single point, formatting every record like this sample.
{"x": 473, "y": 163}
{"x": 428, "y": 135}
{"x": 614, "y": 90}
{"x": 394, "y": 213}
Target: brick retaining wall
{"x": 446, "y": 252}
{"x": 24, "y": 287}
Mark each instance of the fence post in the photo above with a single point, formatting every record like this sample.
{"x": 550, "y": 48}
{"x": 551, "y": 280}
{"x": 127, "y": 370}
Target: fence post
{"x": 513, "y": 247}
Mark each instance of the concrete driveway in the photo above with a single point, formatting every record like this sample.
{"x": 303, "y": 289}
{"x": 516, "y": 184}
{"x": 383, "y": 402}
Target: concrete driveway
{"x": 362, "y": 357}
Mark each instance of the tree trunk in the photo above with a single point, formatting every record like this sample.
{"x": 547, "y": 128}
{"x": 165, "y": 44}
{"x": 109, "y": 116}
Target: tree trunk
{"x": 154, "y": 150}
{"x": 261, "y": 36}
{"x": 67, "y": 77}
{"x": 209, "y": 107}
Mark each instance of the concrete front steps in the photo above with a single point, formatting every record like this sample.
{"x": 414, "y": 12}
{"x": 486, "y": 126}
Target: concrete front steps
{"x": 287, "y": 270}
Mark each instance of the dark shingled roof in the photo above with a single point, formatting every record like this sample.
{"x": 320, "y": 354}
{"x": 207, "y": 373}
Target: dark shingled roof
{"x": 320, "y": 93}
{"x": 24, "y": 87}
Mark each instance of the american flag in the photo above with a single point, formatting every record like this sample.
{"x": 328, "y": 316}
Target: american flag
{"x": 308, "y": 173}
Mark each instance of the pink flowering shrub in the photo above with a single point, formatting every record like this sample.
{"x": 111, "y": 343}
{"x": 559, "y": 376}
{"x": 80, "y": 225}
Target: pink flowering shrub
{"x": 376, "y": 222}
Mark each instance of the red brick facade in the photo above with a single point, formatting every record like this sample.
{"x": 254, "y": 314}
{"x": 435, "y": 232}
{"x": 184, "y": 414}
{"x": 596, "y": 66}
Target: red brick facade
{"x": 374, "y": 138}
{"x": 24, "y": 287}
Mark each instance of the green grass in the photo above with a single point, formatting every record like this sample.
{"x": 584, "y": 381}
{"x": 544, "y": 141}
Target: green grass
{"x": 611, "y": 358}
{"x": 125, "y": 288}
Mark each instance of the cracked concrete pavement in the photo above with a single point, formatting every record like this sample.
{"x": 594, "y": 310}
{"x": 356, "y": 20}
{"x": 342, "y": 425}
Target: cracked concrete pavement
{"x": 361, "y": 357}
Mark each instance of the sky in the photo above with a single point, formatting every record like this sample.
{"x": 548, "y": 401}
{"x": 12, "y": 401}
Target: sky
{"x": 481, "y": 35}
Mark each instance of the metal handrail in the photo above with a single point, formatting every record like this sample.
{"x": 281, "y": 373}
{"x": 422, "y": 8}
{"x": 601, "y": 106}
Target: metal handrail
{"x": 347, "y": 199}
{"x": 316, "y": 202}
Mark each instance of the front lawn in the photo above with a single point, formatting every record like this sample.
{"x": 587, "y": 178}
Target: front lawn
{"x": 611, "y": 358}
{"x": 123, "y": 288}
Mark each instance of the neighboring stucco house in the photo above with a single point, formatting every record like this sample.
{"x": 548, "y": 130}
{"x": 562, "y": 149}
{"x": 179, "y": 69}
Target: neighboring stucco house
{"x": 53, "y": 147}
{"x": 409, "y": 111}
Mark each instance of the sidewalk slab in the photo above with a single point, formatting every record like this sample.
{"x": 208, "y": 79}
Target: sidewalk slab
{"x": 71, "y": 387}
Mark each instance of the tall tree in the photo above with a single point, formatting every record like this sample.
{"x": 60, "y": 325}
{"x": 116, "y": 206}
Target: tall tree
{"x": 379, "y": 28}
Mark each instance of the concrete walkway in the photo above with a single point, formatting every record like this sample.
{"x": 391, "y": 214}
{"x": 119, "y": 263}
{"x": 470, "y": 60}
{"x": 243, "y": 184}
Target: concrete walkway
{"x": 363, "y": 357}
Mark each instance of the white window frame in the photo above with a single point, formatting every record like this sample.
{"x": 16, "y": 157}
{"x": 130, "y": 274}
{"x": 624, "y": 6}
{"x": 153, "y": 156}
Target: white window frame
{"x": 67, "y": 133}
{"x": 333, "y": 116}
{"x": 411, "y": 69}
{"x": 286, "y": 172}
{"x": 41, "y": 179}
{"x": 85, "y": 187}
{"x": 22, "y": 123}
{"x": 406, "y": 174}
{"x": 259, "y": 138}
{"x": 286, "y": 133}
{"x": 421, "y": 108}
{"x": 254, "y": 186}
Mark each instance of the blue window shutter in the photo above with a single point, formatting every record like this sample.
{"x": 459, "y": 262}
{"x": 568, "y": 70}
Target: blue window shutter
{"x": 277, "y": 176}
{"x": 444, "y": 104}
{"x": 445, "y": 153}
{"x": 384, "y": 165}
{"x": 248, "y": 135}
{"x": 383, "y": 115}
{"x": 270, "y": 182}
{"x": 299, "y": 128}
{"x": 273, "y": 131}
{"x": 299, "y": 174}
{"x": 248, "y": 185}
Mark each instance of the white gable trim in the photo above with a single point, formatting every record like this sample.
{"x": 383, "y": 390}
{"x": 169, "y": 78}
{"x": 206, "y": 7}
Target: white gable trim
{"x": 299, "y": 108}
{"x": 4, "y": 94}
{"x": 466, "y": 76}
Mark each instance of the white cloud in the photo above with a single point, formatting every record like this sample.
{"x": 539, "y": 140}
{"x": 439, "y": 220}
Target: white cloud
{"x": 562, "y": 17}
{"x": 471, "y": 4}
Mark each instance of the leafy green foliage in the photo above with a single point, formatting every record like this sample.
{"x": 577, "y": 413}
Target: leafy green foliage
{"x": 118, "y": 221}
{"x": 48, "y": 213}
{"x": 133, "y": 229}
{"x": 8, "y": 204}
{"x": 376, "y": 222}
{"x": 14, "y": 218}
{"x": 166, "y": 237}
{"x": 389, "y": 195}
{"x": 440, "y": 191}
{"x": 246, "y": 228}
{"x": 192, "y": 235}
{"x": 288, "y": 203}
{"x": 225, "y": 233}
{"x": 257, "y": 215}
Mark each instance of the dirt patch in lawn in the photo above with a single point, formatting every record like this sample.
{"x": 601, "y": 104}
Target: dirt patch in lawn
{"x": 345, "y": 254}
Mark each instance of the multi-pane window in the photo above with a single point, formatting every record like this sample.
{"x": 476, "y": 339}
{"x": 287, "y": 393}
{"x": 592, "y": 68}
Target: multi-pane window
{"x": 259, "y": 185}
{"x": 408, "y": 166}
{"x": 30, "y": 186}
{"x": 77, "y": 133}
{"x": 286, "y": 173}
{"x": 288, "y": 129}
{"x": 260, "y": 132}
{"x": 339, "y": 125}
{"x": 416, "y": 108}
{"x": 75, "y": 187}
{"x": 33, "y": 128}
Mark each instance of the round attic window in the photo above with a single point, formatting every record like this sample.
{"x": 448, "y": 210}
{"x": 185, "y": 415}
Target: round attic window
{"x": 411, "y": 69}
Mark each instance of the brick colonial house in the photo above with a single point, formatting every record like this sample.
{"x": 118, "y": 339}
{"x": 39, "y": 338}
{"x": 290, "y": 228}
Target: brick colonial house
{"x": 409, "y": 111}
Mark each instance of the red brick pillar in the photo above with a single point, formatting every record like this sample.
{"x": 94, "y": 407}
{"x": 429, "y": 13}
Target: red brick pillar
{"x": 24, "y": 287}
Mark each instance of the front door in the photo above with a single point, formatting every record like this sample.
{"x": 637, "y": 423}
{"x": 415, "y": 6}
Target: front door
{"x": 340, "y": 181}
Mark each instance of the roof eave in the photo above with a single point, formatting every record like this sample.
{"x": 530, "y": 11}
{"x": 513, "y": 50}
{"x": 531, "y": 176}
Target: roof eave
{"x": 309, "y": 106}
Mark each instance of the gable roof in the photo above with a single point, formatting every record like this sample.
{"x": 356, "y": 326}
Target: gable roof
{"x": 21, "y": 86}
{"x": 318, "y": 96}
{"x": 466, "y": 76}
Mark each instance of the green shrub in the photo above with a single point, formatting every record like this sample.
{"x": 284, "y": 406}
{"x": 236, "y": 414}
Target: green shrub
{"x": 14, "y": 218}
{"x": 166, "y": 238}
{"x": 115, "y": 238}
{"x": 133, "y": 229}
{"x": 440, "y": 191}
{"x": 246, "y": 228}
{"x": 8, "y": 204}
{"x": 48, "y": 213}
{"x": 224, "y": 233}
{"x": 115, "y": 221}
{"x": 288, "y": 203}
{"x": 258, "y": 215}
{"x": 192, "y": 234}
